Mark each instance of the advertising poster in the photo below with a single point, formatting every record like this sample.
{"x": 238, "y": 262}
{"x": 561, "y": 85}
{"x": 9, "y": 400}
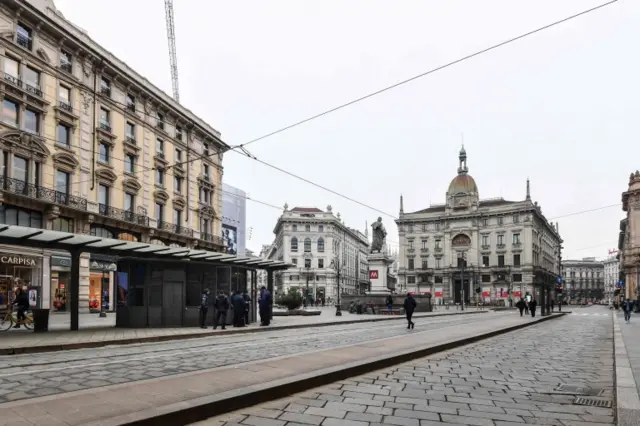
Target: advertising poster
{"x": 517, "y": 294}
{"x": 230, "y": 236}
{"x": 33, "y": 298}
{"x": 438, "y": 292}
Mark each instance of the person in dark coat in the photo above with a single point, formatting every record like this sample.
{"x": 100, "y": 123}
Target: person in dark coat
{"x": 532, "y": 307}
{"x": 521, "y": 305}
{"x": 22, "y": 302}
{"x": 238, "y": 305}
{"x": 627, "y": 307}
{"x": 204, "y": 307}
{"x": 222, "y": 307}
{"x": 264, "y": 304}
{"x": 409, "y": 306}
{"x": 389, "y": 303}
{"x": 247, "y": 306}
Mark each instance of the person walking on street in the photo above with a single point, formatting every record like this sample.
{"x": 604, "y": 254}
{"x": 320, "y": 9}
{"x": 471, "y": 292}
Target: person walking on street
{"x": 521, "y": 305}
{"x": 532, "y": 307}
{"x": 264, "y": 304}
{"x": 553, "y": 305}
{"x": 222, "y": 307}
{"x": 204, "y": 307}
{"x": 22, "y": 302}
{"x": 389, "y": 304}
{"x": 627, "y": 306}
{"x": 247, "y": 306}
{"x": 238, "y": 305}
{"x": 409, "y": 306}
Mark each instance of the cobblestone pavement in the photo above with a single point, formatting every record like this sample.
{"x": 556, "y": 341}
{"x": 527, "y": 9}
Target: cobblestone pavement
{"x": 631, "y": 336}
{"x": 504, "y": 381}
{"x": 34, "y": 375}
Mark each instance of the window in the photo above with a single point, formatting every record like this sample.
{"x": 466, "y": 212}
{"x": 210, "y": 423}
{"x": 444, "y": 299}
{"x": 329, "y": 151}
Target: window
{"x": 205, "y": 150}
{"x": 516, "y": 238}
{"x": 486, "y": 278}
{"x": 485, "y": 222}
{"x": 64, "y": 96}
{"x": 411, "y": 280}
{"x": 437, "y": 226}
{"x": 425, "y": 244}
{"x": 438, "y": 242}
{"x": 516, "y": 218}
{"x": 320, "y": 263}
{"x": 32, "y": 79}
{"x": 205, "y": 196}
{"x": 105, "y": 119}
{"x": 103, "y": 194}
{"x": 177, "y": 184}
{"x": 501, "y": 260}
{"x": 500, "y": 240}
{"x": 321, "y": 245}
{"x": 160, "y": 121}
{"x": 104, "y": 153}
{"x": 307, "y": 245}
{"x": 10, "y": 113}
{"x": 517, "y": 278}
{"x": 130, "y": 131}
{"x": 411, "y": 264}
{"x": 307, "y": 263}
{"x": 159, "y": 212}
{"x": 24, "y": 36}
{"x": 294, "y": 228}
{"x": 178, "y": 155}
{"x": 179, "y": 133}
{"x": 485, "y": 240}
{"x": 20, "y": 170}
{"x": 516, "y": 260}
{"x": 129, "y": 163}
{"x": 485, "y": 261}
{"x": 159, "y": 146}
{"x": 62, "y": 224}
{"x": 205, "y": 170}
{"x": 131, "y": 102}
{"x": 65, "y": 61}
{"x": 31, "y": 121}
{"x": 307, "y": 228}
{"x": 294, "y": 244}
{"x": 20, "y": 217}
{"x": 206, "y": 228}
{"x": 105, "y": 86}
{"x": 500, "y": 220}
{"x": 425, "y": 264}
{"x": 294, "y": 261}
{"x": 320, "y": 228}
{"x": 62, "y": 182}
{"x": 129, "y": 202}
{"x": 411, "y": 244}
{"x": 159, "y": 177}
{"x": 177, "y": 217}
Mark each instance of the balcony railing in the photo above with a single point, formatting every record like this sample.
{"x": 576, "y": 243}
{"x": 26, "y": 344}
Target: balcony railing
{"x": 105, "y": 90}
{"x": 23, "y": 40}
{"x": 215, "y": 239}
{"x": 33, "y": 89}
{"x": 13, "y": 79}
{"x": 65, "y": 106}
{"x": 66, "y": 67}
{"x": 29, "y": 190}
{"x": 131, "y": 107}
{"x": 175, "y": 229}
{"x": 105, "y": 126}
{"x": 123, "y": 215}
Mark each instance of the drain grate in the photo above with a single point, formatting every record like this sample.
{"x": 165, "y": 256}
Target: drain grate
{"x": 578, "y": 390}
{"x": 592, "y": 402}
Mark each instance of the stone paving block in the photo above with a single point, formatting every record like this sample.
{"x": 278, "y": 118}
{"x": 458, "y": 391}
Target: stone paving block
{"x": 448, "y": 418}
{"x": 400, "y": 421}
{"x": 364, "y": 417}
{"x": 416, "y": 414}
{"x": 326, "y": 412}
{"x": 308, "y": 419}
{"x": 356, "y": 408}
{"x": 342, "y": 422}
{"x": 262, "y": 421}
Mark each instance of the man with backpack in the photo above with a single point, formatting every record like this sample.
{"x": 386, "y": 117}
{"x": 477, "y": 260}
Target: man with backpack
{"x": 222, "y": 307}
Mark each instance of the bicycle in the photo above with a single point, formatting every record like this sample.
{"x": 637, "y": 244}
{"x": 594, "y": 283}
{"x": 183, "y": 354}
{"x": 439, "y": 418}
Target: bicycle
{"x": 11, "y": 318}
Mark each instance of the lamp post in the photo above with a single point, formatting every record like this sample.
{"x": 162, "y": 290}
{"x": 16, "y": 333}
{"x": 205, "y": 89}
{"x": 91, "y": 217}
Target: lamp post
{"x": 462, "y": 259}
{"x": 335, "y": 265}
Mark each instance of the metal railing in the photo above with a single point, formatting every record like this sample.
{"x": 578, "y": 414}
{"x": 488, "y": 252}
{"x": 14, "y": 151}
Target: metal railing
{"x": 13, "y": 79}
{"x": 23, "y": 40}
{"x": 66, "y": 67}
{"x": 29, "y": 190}
{"x": 105, "y": 126}
{"x": 175, "y": 229}
{"x": 123, "y": 215}
{"x": 66, "y": 106}
{"x": 215, "y": 239}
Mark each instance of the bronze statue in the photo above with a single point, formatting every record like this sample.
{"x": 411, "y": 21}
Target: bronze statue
{"x": 379, "y": 236}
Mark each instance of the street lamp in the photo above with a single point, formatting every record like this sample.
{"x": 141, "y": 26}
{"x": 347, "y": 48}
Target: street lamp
{"x": 462, "y": 260}
{"x": 335, "y": 265}
{"x": 307, "y": 271}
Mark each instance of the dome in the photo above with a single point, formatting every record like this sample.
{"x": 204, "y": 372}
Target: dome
{"x": 463, "y": 183}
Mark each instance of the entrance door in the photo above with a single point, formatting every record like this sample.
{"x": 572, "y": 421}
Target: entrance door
{"x": 457, "y": 291}
{"x": 172, "y": 298}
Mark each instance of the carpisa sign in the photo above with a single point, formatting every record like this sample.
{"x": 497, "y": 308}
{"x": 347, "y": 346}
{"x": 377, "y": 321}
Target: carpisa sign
{"x": 17, "y": 260}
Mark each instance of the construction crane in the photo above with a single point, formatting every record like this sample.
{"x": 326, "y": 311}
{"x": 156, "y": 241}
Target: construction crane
{"x": 171, "y": 37}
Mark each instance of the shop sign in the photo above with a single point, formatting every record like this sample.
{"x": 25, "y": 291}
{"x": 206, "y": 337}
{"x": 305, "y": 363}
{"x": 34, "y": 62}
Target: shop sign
{"x": 103, "y": 266}
{"x": 18, "y": 260}
{"x": 64, "y": 262}
{"x": 373, "y": 275}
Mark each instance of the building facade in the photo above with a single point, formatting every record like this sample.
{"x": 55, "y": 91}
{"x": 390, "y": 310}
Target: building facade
{"x": 234, "y": 219}
{"x": 321, "y": 246}
{"x": 503, "y": 248}
{"x": 629, "y": 239}
{"x": 584, "y": 280}
{"x": 611, "y": 275}
{"x": 89, "y": 146}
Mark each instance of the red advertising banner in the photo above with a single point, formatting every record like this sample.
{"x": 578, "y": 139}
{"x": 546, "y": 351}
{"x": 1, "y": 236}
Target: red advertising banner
{"x": 438, "y": 292}
{"x": 486, "y": 293}
{"x": 517, "y": 294}
{"x": 373, "y": 275}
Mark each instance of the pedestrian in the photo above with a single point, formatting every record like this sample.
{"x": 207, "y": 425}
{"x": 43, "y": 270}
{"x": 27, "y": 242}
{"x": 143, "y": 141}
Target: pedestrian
{"x": 521, "y": 305}
{"x": 532, "y": 307}
{"x": 204, "y": 307}
{"x": 627, "y": 306}
{"x": 264, "y": 304}
{"x": 22, "y": 302}
{"x": 238, "y": 305}
{"x": 553, "y": 305}
{"x": 409, "y": 307}
{"x": 247, "y": 306}
{"x": 221, "y": 307}
{"x": 389, "y": 304}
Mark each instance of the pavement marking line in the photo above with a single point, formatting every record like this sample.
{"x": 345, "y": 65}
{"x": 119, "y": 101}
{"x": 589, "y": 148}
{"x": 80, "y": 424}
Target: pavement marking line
{"x": 208, "y": 349}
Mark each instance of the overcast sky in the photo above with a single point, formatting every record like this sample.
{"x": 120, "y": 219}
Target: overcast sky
{"x": 560, "y": 107}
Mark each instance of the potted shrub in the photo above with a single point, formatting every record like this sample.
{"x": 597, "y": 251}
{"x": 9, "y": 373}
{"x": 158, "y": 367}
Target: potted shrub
{"x": 292, "y": 300}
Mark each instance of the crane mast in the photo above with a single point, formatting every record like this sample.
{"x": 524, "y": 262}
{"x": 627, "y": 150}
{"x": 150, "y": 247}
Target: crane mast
{"x": 171, "y": 37}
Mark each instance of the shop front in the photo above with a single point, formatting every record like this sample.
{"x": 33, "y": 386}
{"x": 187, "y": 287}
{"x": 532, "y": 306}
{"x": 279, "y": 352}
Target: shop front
{"x": 17, "y": 271}
{"x": 60, "y": 279}
{"x": 102, "y": 275}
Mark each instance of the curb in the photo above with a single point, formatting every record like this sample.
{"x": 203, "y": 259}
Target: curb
{"x": 167, "y": 338}
{"x": 627, "y": 400}
{"x": 189, "y": 412}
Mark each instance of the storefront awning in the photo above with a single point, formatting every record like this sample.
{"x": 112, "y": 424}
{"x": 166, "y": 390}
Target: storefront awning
{"x": 42, "y": 238}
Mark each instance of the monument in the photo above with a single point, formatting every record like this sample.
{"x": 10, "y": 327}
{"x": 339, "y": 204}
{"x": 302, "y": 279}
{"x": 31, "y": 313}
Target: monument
{"x": 379, "y": 261}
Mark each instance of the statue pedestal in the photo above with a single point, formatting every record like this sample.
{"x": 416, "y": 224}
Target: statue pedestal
{"x": 378, "y": 270}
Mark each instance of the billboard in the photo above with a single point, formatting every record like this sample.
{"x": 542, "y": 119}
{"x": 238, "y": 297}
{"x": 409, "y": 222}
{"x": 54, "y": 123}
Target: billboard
{"x": 230, "y": 236}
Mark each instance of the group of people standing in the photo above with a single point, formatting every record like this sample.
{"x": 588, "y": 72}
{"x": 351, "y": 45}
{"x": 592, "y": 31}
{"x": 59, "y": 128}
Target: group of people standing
{"x": 239, "y": 303}
{"x": 526, "y": 307}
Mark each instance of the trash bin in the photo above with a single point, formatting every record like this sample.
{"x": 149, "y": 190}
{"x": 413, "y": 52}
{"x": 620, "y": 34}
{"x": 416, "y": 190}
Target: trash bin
{"x": 40, "y": 320}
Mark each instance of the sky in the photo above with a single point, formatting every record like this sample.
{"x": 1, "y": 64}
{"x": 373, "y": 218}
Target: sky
{"x": 559, "y": 107}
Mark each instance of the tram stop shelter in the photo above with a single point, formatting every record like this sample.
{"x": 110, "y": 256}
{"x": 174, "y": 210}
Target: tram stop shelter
{"x": 154, "y": 283}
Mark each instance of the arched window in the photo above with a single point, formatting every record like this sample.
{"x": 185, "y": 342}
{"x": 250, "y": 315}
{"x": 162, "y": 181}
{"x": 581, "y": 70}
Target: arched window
{"x": 294, "y": 244}
{"x": 320, "y": 245}
{"x": 307, "y": 245}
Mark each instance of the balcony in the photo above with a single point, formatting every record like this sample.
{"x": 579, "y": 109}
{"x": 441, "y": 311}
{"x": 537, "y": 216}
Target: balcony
{"x": 33, "y": 90}
{"x": 105, "y": 126}
{"x": 175, "y": 229}
{"x": 486, "y": 247}
{"x": 517, "y": 246}
{"x": 66, "y": 67}
{"x": 131, "y": 107}
{"x": 123, "y": 215}
{"x": 501, "y": 246}
{"x": 411, "y": 249}
{"x": 47, "y": 195}
{"x": 438, "y": 249}
{"x": 424, "y": 250}
{"x": 105, "y": 90}
{"x": 13, "y": 80}
{"x": 65, "y": 106}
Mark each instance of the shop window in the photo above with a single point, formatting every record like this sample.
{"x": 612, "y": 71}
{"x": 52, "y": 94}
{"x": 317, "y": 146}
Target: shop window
{"x": 101, "y": 232}
{"x": 62, "y": 224}
{"x": 10, "y": 215}
{"x": 125, "y": 236}
{"x": 28, "y": 273}
{"x": 131, "y": 281}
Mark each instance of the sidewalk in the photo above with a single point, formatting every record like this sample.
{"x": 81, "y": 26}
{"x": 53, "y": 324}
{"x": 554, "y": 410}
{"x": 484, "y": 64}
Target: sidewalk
{"x": 21, "y": 341}
{"x": 182, "y": 399}
{"x": 627, "y": 356}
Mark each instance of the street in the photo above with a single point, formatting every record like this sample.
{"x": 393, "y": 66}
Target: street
{"x": 512, "y": 379}
{"x": 35, "y": 375}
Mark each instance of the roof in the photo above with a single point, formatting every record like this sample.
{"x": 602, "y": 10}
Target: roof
{"x": 20, "y": 235}
{"x": 463, "y": 183}
{"x": 493, "y": 202}
{"x": 307, "y": 210}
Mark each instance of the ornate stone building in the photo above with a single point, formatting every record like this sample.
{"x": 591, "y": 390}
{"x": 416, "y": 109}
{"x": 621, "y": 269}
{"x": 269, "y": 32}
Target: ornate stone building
{"x": 611, "y": 275}
{"x": 629, "y": 241}
{"x": 584, "y": 280}
{"x": 504, "y": 248}
{"x": 88, "y": 145}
